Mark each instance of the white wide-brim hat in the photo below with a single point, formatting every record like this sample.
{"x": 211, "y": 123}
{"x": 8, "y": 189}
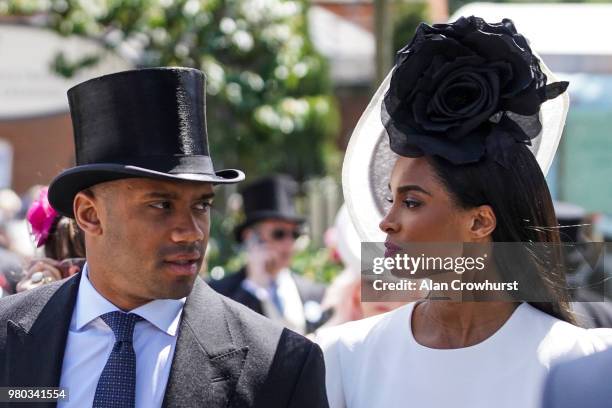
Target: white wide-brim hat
{"x": 348, "y": 243}
{"x": 369, "y": 160}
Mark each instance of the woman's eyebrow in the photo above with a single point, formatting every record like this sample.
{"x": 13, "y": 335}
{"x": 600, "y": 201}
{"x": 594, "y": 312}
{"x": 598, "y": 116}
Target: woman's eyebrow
{"x": 411, "y": 187}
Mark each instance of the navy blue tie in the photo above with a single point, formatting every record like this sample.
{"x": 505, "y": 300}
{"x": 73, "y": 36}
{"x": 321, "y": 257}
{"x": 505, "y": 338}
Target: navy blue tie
{"x": 117, "y": 384}
{"x": 278, "y": 302}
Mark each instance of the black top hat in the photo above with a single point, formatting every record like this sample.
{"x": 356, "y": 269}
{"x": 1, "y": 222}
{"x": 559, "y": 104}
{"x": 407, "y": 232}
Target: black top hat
{"x": 141, "y": 123}
{"x": 269, "y": 198}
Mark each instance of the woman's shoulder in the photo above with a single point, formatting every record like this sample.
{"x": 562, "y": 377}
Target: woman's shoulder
{"x": 559, "y": 338}
{"x": 352, "y": 335}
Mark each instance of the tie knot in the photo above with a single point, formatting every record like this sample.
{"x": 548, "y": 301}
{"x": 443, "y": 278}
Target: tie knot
{"x": 122, "y": 324}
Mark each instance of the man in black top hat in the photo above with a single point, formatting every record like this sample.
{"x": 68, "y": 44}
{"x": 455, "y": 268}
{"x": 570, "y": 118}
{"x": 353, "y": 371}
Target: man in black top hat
{"x": 138, "y": 328}
{"x": 268, "y": 233}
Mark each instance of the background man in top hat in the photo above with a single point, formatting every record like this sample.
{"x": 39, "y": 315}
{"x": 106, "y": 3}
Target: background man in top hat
{"x": 268, "y": 233}
{"x": 137, "y": 328}
{"x": 586, "y": 279}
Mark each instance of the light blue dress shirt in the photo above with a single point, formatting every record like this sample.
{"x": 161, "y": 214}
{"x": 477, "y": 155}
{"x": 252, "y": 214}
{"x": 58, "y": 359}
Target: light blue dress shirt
{"x": 90, "y": 342}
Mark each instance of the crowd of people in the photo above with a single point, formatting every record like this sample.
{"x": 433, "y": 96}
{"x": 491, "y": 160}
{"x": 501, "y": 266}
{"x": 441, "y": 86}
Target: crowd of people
{"x": 112, "y": 309}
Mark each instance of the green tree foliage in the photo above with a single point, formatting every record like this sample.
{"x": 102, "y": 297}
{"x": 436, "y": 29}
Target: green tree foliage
{"x": 408, "y": 16}
{"x": 269, "y": 106}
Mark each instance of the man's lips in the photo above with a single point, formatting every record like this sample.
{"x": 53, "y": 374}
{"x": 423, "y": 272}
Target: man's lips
{"x": 184, "y": 258}
{"x": 186, "y": 264}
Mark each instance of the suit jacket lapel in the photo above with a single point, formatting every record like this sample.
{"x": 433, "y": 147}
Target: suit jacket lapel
{"x": 207, "y": 364}
{"x": 35, "y": 344}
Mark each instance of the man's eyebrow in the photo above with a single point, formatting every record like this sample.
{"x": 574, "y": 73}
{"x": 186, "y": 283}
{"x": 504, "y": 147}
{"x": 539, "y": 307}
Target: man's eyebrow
{"x": 410, "y": 187}
{"x": 173, "y": 196}
{"x": 207, "y": 196}
{"x": 159, "y": 194}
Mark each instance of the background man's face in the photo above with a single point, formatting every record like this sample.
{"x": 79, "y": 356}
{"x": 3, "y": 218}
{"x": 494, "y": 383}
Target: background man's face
{"x": 278, "y": 237}
{"x": 154, "y": 235}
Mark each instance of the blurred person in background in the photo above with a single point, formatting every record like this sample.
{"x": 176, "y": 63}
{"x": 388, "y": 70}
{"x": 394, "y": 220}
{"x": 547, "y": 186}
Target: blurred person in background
{"x": 61, "y": 240}
{"x": 11, "y": 271}
{"x": 266, "y": 284}
{"x": 343, "y": 296}
{"x": 585, "y": 277}
{"x": 11, "y": 263}
{"x": 10, "y": 205}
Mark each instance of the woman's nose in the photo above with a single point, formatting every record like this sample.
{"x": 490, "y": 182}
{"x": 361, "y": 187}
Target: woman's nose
{"x": 389, "y": 225}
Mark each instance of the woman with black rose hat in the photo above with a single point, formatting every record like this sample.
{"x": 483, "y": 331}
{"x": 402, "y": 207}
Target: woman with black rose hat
{"x": 460, "y": 109}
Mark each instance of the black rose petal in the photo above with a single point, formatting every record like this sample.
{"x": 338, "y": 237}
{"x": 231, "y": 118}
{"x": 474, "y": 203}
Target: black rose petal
{"x": 456, "y": 99}
{"x": 458, "y": 87}
{"x": 525, "y": 103}
{"x": 499, "y": 145}
{"x": 553, "y": 90}
{"x": 431, "y": 52}
{"x": 502, "y": 48}
{"x": 468, "y": 150}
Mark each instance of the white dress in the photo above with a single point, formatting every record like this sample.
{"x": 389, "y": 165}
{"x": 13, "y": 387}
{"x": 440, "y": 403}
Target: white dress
{"x": 376, "y": 362}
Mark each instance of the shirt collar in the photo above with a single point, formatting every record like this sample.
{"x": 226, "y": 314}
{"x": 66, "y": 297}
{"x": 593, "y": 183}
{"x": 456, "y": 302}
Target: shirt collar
{"x": 284, "y": 276}
{"x": 165, "y": 314}
{"x": 263, "y": 293}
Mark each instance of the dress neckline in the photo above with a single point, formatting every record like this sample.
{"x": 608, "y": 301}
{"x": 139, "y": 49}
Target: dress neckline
{"x": 506, "y": 329}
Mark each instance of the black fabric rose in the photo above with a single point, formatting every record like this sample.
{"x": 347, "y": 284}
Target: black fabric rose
{"x": 457, "y": 90}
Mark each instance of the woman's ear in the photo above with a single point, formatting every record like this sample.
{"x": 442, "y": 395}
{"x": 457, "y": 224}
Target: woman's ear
{"x": 483, "y": 223}
{"x": 87, "y": 209}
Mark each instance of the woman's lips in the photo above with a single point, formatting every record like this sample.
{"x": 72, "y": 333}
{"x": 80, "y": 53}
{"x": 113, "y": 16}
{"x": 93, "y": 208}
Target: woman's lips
{"x": 392, "y": 249}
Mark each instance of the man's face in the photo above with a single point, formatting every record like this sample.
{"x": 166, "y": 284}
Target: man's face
{"x": 152, "y": 238}
{"x": 278, "y": 237}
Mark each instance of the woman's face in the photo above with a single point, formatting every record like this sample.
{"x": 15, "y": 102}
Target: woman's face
{"x": 422, "y": 210}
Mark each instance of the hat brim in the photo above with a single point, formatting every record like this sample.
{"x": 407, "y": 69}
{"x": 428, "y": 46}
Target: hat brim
{"x": 262, "y": 216}
{"x": 67, "y": 184}
{"x": 368, "y": 161}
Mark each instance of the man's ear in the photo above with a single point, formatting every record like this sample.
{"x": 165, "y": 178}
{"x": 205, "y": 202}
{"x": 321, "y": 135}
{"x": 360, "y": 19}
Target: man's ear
{"x": 483, "y": 222}
{"x": 87, "y": 207}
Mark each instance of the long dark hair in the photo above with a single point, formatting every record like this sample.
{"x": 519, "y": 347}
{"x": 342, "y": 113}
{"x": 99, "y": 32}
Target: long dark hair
{"x": 521, "y": 201}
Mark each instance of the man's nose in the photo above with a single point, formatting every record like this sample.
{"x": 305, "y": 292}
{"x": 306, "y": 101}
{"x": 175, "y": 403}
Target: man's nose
{"x": 188, "y": 229}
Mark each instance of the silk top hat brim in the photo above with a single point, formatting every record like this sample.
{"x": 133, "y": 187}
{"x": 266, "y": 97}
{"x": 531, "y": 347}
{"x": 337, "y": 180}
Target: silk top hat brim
{"x": 368, "y": 161}
{"x": 67, "y": 185}
{"x": 141, "y": 123}
{"x": 269, "y": 198}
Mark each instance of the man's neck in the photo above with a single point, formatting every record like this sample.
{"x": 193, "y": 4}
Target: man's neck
{"x": 123, "y": 302}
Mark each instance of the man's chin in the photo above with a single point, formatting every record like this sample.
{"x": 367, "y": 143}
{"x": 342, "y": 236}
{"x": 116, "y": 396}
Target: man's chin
{"x": 176, "y": 288}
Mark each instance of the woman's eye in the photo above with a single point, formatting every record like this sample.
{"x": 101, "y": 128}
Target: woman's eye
{"x": 389, "y": 200}
{"x": 411, "y": 203}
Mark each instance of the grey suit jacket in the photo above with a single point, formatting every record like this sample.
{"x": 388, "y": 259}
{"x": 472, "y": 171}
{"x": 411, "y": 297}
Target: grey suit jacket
{"x": 582, "y": 383}
{"x": 226, "y": 355}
